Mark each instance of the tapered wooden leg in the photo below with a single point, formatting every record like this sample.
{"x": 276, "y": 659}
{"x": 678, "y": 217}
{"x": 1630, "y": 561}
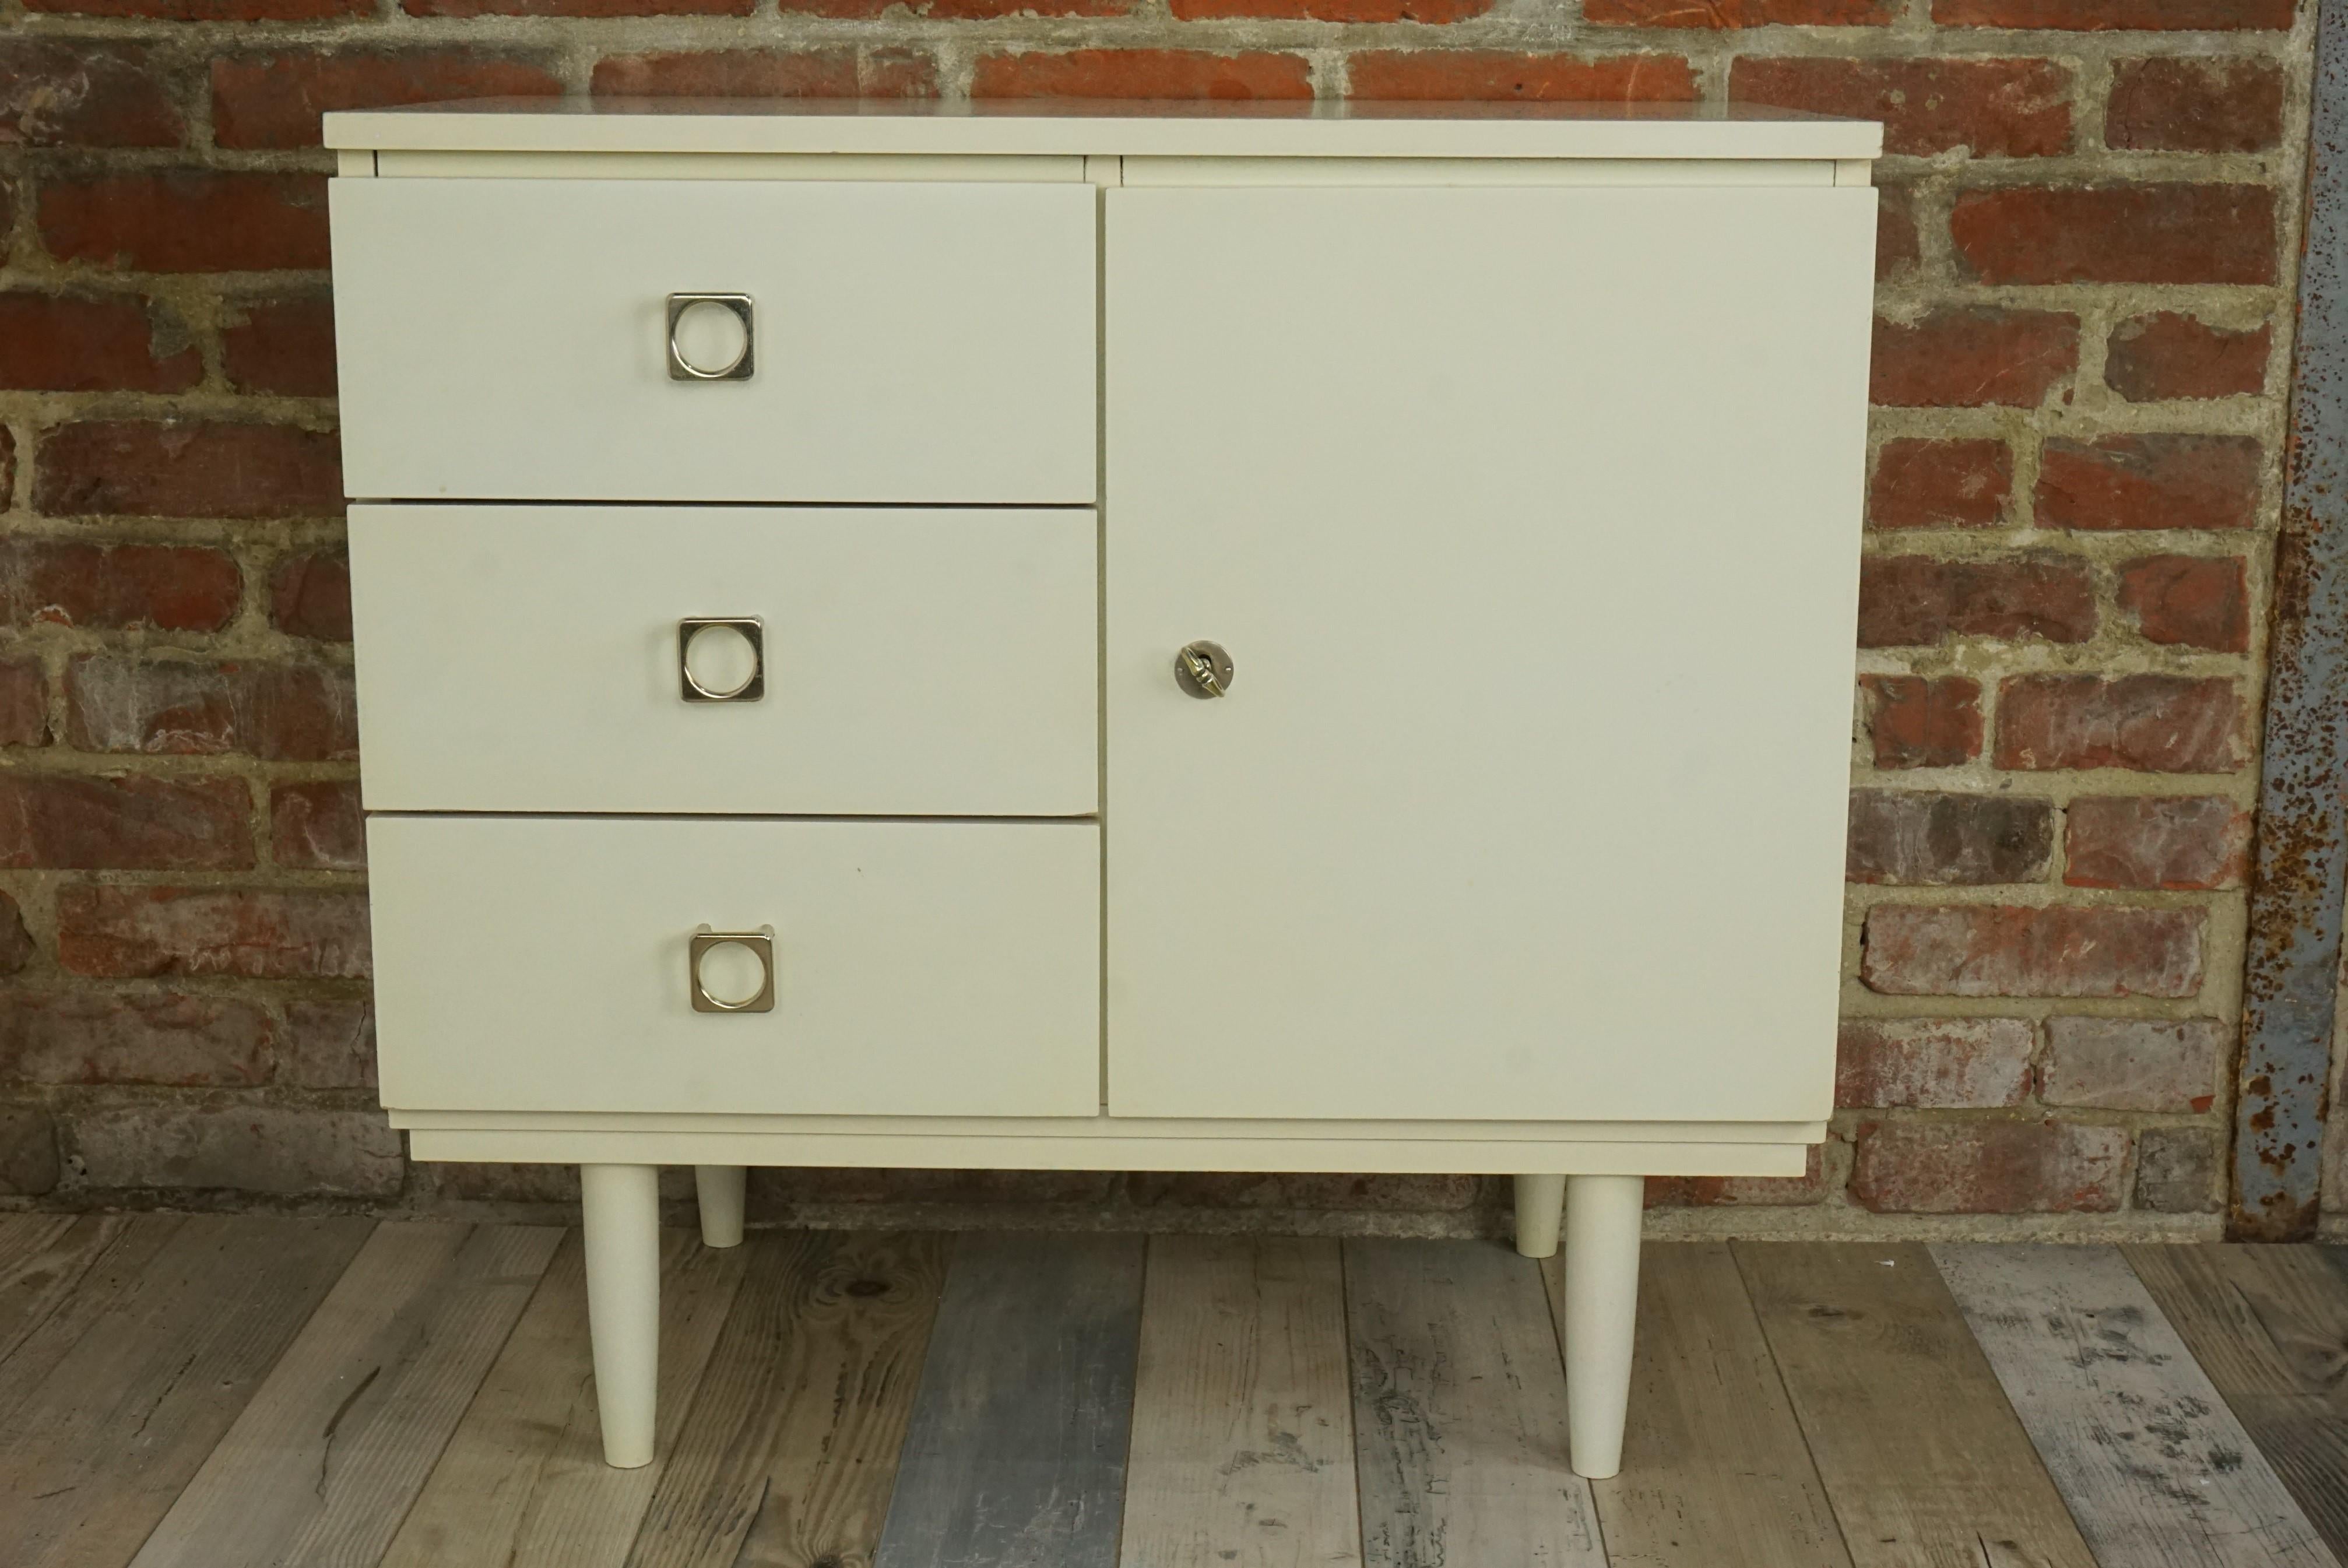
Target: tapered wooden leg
{"x": 1540, "y": 1203}
{"x": 623, "y": 1226}
{"x": 720, "y": 1191}
{"x": 1601, "y": 1304}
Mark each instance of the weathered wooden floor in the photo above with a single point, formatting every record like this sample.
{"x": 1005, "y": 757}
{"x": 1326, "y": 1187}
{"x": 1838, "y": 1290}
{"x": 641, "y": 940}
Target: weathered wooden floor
{"x": 210, "y": 1392}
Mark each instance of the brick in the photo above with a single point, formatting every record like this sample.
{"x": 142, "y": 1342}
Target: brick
{"x": 212, "y": 10}
{"x": 1924, "y": 837}
{"x": 2173, "y": 104}
{"x": 1913, "y": 722}
{"x": 65, "y": 343}
{"x": 280, "y": 713}
{"x": 1500, "y": 74}
{"x": 283, "y": 345}
{"x": 957, "y": 10}
{"x": 80, "y": 821}
{"x": 1988, "y": 950}
{"x": 1988, "y": 1167}
{"x": 1428, "y": 11}
{"x": 275, "y": 99}
{"x": 2182, "y": 843}
{"x": 83, "y": 93}
{"x": 2168, "y": 354}
{"x": 2133, "y": 1064}
{"x": 17, "y": 948}
{"x": 1920, "y": 601}
{"x": 2118, "y": 234}
{"x": 1731, "y": 14}
{"x": 1739, "y": 1192}
{"x": 485, "y": 1181}
{"x": 317, "y": 826}
{"x": 329, "y": 1043}
{"x": 774, "y": 1193}
{"x": 768, "y": 73}
{"x": 1932, "y": 1063}
{"x": 1898, "y": 250}
{"x": 243, "y": 1148}
{"x": 187, "y": 220}
{"x": 109, "y": 587}
{"x": 1994, "y": 108}
{"x": 578, "y": 7}
{"x": 1972, "y": 356}
{"x": 190, "y": 469}
{"x": 2100, "y": 16}
{"x": 1920, "y": 483}
{"x": 95, "y": 1037}
{"x": 1142, "y": 73}
{"x": 24, "y": 703}
{"x": 2177, "y": 1169}
{"x": 2150, "y": 481}
{"x": 133, "y": 933}
{"x": 1299, "y": 1189}
{"x": 2189, "y": 600}
{"x": 2152, "y": 724}
{"x": 28, "y": 1150}
{"x": 310, "y": 596}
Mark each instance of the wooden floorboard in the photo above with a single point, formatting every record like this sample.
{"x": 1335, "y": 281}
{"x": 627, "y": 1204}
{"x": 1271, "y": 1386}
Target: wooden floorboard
{"x": 253, "y": 1392}
{"x": 326, "y": 1458}
{"x": 1924, "y": 1460}
{"x": 1459, "y": 1411}
{"x": 522, "y": 1482}
{"x": 2269, "y": 1326}
{"x": 1016, "y": 1454}
{"x": 1243, "y": 1422}
{"x": 2154, "y": 1467}
{"x": 791, "y": 1447}
{"x": 43, "y": 1258}
{"x": 95, "y": 1451}
{"x": 1715, "y": 1469}
{"x": 67, "y": 1274}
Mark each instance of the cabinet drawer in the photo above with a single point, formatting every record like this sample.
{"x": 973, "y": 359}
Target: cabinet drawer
{"x": 919, "y": 968}
{"x": 914, "y": 663}
{"x": 910, "y": 342}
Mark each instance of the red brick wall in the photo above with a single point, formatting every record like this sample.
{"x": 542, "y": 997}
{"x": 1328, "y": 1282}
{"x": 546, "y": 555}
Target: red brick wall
{"x": 2090, "y": 214}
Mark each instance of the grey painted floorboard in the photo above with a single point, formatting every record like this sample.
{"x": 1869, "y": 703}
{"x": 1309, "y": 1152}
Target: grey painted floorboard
{"x": 1015, "y": 1456}
{"x": 1459, "y": 1411}
{"x": 2155, "y": 1469}
{"x": 2270, "y": 1325}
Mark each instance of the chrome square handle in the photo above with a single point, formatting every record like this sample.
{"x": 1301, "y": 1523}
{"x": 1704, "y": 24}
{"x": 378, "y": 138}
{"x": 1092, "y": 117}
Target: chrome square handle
{"x": 695, "y": 315}
{"x": 721, "y": 981}
{"x": 721, "y": 658}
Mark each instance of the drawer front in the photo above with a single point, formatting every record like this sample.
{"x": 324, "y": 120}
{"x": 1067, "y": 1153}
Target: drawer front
{"x": 914, "y": 663}
{"x": 919, "y": 968}
{"x": 910, "y": 342}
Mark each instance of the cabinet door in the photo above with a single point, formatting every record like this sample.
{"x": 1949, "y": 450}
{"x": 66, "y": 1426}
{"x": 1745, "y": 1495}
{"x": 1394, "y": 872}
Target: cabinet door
{"x": 1529, "y": 520}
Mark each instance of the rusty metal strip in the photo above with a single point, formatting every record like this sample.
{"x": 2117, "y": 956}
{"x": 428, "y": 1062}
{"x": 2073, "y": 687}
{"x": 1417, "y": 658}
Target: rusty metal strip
{"x": 2293, "y": 969}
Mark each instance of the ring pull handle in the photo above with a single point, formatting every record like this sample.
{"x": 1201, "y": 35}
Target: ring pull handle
{"x": 737, "y": 305}
{"x": 727, "y": 645}
{"x": 761, "y": 945}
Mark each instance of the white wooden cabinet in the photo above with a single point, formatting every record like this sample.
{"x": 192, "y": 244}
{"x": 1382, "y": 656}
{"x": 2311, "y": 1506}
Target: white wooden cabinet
{"x": 778, "y": 531}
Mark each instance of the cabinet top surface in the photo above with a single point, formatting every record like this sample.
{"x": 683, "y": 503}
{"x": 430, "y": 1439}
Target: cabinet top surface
{"x": 1106, "y": 128}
